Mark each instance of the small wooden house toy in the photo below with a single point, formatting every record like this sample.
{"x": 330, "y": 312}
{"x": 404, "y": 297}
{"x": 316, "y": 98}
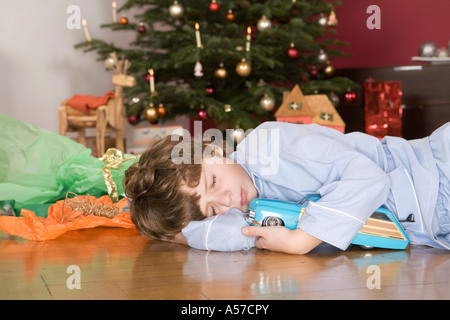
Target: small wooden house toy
{"x": 305, "y": 109}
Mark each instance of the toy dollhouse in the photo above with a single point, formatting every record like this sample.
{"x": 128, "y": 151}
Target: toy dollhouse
{"x": 305, "y": 109}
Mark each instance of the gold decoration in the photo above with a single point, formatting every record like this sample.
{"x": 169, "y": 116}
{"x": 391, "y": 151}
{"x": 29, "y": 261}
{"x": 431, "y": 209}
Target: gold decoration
{"x": 114, "y": 159}
{"x": 221, "y": 72}
{"x": 151, "y": 114}
{"x": 243, "y": 68}
{"x": 84, "y": 206}
{"x": 329, "y": 69}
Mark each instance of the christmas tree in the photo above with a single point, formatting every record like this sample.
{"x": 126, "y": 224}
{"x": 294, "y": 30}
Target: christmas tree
{"x": 227, "y": 60}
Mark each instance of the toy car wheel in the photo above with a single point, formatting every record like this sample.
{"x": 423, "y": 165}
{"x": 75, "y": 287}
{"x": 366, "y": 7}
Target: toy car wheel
{"x": 272, "y": 221}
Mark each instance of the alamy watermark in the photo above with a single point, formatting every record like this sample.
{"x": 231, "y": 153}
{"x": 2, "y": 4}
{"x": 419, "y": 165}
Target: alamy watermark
{"x": 260, "y": 147}
{"x": 74, "y": 280}
{"x": 73, "y": 21}
{"x": 374, "y": 20}
{"x": 374, "y": 280}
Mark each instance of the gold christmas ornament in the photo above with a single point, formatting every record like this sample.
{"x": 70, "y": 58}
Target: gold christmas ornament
{"x": 151, "y": 114}
{"x": 221, "y": 72}
{"x": 329, "y": 69}
{"x": 243, "y": 68}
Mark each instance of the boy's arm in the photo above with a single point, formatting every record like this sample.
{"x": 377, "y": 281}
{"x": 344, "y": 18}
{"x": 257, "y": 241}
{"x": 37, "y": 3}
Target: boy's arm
{"x": 282, "y": 239}
{"x": 219, "y": 233}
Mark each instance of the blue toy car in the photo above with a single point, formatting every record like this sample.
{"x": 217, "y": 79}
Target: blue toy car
{"x": 381, "y": 230}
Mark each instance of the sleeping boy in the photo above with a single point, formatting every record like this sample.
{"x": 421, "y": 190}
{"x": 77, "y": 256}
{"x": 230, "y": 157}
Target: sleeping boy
{"x": 201, "y": 203}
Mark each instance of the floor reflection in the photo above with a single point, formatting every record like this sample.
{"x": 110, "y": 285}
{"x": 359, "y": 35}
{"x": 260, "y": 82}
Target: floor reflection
{"x": 137, "y": 268}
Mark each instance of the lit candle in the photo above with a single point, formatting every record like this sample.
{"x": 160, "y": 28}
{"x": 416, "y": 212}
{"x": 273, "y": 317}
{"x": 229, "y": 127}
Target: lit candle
{"x": 114, "y": 12}
{"x": 249, "y": 38}
{"x": 197, "y": 35}
{"x": 86, "y": 31}
{"x": 152, "y": 80}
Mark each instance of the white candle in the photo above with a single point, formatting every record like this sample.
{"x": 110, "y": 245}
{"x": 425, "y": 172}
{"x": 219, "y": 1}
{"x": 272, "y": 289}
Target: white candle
{"x": 249, "y": 38}
{"x": 86, "y": 31}
{"x": 152, "y": 80}
{"x": 114, "y": 12}
{"x": 197, "y": 35}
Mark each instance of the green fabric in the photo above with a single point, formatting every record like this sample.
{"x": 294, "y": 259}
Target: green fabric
{"x": 40, "y": 167}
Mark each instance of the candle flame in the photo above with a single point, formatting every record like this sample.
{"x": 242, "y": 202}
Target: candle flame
{"x": 249, "y": 30}
{"x": 114, "y": 4}
{"x": 83, "y": 22}
{"x": 151, "y": 72}
{"x": 197, "y": 27}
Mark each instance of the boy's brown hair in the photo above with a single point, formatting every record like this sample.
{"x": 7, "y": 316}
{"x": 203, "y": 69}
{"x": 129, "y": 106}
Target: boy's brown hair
{"x": 159, "y": 209}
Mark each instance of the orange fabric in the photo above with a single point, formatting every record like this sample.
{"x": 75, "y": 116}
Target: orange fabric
{"x": 32, "y": 227}
{"x": 83, "y": 102}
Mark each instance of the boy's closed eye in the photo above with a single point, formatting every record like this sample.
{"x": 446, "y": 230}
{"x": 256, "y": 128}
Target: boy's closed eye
{"x": 212, "y": 185}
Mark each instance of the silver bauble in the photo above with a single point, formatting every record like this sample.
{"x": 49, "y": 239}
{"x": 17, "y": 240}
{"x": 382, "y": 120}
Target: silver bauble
{"x": 322, "y": 56}
{"x": 322, "y": 20}
{"x": 237, "y": 135}
{"x": 267, "y": 103}
{"x": 176, "y": 10}
{"x": 263, "y": 24}
{"x": 109, "y": 63}
{"x": 428, "y": 49}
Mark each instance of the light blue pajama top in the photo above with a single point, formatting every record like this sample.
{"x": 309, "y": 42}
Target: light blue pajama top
{"x": 354, "y": 173}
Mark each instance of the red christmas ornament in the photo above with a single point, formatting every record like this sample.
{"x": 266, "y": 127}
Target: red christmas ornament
{"x": 147, "y": 77}
{"x": 349, "y": 97}
{"x": 210, "y": 91}
{"x": 314, "y": 72}
{"x": 292, "y": 53}
{"x": 202, "y": 115}
{"x": 142, "y": 29}
{"x": 214, "y": 6}
{"x": 132, "y": 119}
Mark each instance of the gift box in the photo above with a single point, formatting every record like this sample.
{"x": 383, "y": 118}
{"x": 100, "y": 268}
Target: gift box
{"x": 382, "y": 108}
{"x": 140, "y": 137}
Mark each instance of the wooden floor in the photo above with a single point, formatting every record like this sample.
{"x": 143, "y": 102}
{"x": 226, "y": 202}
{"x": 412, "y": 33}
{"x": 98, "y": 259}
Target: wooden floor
{"x": 114, "y": 263}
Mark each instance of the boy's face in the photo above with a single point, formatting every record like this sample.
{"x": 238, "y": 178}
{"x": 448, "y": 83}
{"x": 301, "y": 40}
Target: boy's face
{"x": 223, "y": 185}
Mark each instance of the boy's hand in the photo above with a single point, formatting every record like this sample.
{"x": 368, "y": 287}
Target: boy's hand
{"x": 282, "y": 239}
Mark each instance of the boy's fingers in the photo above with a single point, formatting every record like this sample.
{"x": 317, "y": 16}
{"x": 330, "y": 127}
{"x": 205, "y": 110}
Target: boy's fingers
{"x": 253, "y": 231}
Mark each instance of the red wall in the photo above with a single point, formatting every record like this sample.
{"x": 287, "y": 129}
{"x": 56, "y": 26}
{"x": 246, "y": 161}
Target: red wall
{"x": 405, "y": 25}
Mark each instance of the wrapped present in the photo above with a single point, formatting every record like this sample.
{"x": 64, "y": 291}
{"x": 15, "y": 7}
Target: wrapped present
{"x": 72, "y": 213}
{"x": 382, "y": 108}
{"x": 140, "y": 137}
